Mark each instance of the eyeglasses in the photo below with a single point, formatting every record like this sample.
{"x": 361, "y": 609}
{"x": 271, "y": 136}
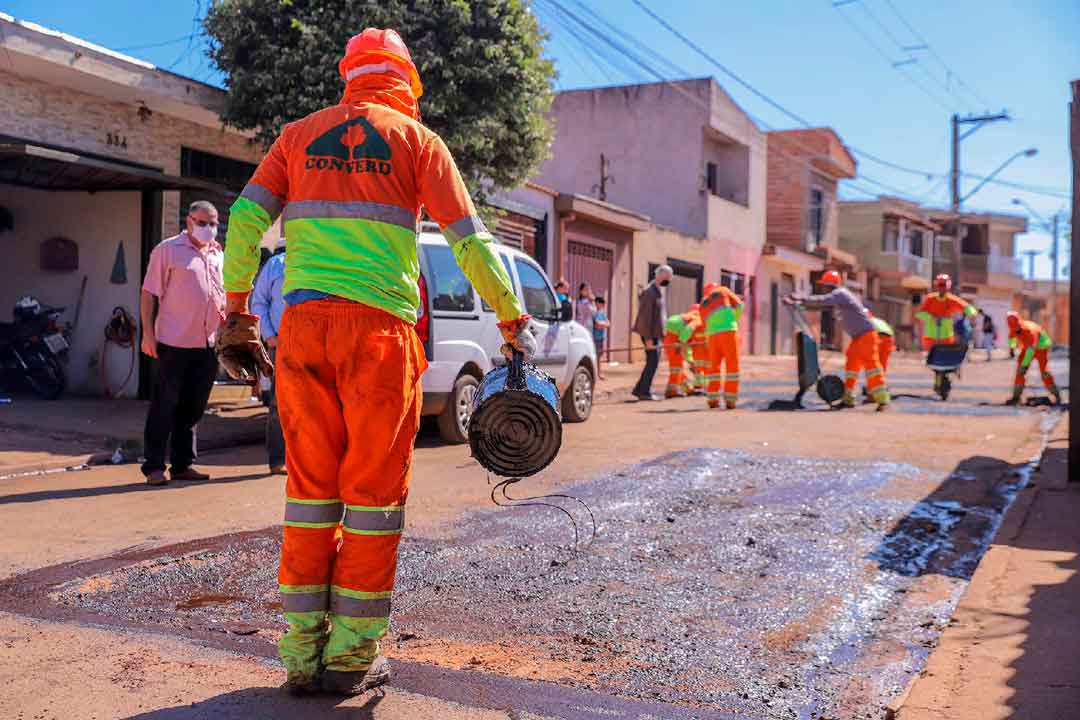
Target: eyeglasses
{"x": 204, "y": 223}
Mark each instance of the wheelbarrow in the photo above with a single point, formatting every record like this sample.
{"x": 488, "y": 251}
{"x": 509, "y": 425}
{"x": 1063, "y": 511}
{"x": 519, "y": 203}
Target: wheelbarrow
{"x": 830, "y": 388}
{"x": 945, "y": 359}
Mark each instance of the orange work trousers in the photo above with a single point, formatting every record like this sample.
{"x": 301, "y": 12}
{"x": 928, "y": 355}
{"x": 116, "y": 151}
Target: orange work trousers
{"x": 1043, "y": 358}
{"x": 862, "y": 355}
{"x": 885, "y": 345}
{"x": 723, "y": 368}
{"x": 699, "y": 347}
{"x": 348, "y": 383}
{"x": 676, "y": 376}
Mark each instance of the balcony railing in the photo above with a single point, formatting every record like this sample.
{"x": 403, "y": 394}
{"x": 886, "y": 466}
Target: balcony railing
{"x": 1005, "y": 265}
{"x": 913, "y": 265}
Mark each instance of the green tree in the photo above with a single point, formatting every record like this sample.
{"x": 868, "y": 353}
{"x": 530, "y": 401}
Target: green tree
{"x": 487, "y": 86}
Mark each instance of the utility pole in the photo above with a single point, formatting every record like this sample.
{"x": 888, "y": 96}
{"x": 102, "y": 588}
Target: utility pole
{"x": 976, "y": 122}
{"x": 1074, "y": 286}
{"x": 1053, "y": 273}
{"x": 605, "y": 178}
{"x": 1031, "y": 262}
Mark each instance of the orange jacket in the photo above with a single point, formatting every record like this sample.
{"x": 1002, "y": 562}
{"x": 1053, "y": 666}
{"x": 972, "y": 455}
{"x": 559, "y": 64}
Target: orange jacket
{"x": 350, "y": 181}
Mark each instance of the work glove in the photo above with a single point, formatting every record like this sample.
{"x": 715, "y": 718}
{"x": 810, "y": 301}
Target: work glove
{"x": 240, "y": 350}
{"x": 518, "y": 338}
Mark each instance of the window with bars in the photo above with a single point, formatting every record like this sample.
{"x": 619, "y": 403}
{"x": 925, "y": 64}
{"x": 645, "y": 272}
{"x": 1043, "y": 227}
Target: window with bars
{"x": 734, "y": 281}
{"x": 815, "y": 220}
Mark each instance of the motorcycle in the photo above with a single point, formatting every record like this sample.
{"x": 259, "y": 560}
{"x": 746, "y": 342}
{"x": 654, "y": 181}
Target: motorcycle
{"x": 31, "y": 346}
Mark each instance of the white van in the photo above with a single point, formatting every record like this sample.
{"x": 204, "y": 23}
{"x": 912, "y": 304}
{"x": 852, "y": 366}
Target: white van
{"x": 462, "y": 339}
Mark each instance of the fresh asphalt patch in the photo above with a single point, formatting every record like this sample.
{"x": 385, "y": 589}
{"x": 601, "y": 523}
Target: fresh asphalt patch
{"x": 720, "y": 584}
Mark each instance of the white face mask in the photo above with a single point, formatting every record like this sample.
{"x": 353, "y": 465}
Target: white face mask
{"x": 203, "y": 234}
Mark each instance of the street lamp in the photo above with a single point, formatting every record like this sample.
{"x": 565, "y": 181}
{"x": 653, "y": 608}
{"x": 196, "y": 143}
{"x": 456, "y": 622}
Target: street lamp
{"x": 1030, "y": 152}
{"x": 1052, "y": 227}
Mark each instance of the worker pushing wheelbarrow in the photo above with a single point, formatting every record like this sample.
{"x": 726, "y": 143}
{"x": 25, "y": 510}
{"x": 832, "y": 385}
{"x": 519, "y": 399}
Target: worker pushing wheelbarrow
{"x": 862, "y": 351}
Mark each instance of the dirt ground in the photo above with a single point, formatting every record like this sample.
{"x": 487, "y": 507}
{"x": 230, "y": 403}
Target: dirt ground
{"x": 955, "y": 452}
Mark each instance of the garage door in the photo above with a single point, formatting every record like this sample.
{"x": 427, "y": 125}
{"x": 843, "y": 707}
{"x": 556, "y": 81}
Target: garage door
{"x": 587, "y": 262}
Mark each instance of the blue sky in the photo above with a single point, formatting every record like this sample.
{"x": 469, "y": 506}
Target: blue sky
{"x": 829, "y": 65}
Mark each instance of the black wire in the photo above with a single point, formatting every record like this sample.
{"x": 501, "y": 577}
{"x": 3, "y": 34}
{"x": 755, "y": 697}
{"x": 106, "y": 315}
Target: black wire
{"x": 537, "y": 501}
{"x": 578, "y": 500}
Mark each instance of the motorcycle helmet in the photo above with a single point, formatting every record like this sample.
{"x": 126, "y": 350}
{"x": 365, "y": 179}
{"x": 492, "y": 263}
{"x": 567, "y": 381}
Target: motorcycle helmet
{"x": 26, "y": 307}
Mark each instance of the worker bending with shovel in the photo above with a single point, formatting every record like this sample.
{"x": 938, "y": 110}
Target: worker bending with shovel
{"x": 721, "y": 310}
{"x": 1034, "y": 344}
{"x": 862, "y": 351}
{"x": 679, "y": 331}
{"x": 350, "y": 181}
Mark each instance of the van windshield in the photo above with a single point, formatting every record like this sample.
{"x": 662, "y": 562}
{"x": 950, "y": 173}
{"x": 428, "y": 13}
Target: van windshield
{"x": 450, "y": 290}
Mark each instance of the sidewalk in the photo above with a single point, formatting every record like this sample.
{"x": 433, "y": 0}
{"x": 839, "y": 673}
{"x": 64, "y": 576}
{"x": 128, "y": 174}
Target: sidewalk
{"x": 1013, "y": 648}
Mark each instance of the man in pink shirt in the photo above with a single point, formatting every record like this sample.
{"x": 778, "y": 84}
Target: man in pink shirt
{"x": 184, "y": 279}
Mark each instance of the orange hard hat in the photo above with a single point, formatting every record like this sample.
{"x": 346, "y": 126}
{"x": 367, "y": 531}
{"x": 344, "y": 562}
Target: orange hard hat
{"x": 375, "y": 46}
{"x": 695, "y": 307}
{"x": 943, "y": 282}
{"x": 1012, "y": 318}
{"x": 710, "y": 288}
{"x": 830, "y": 277}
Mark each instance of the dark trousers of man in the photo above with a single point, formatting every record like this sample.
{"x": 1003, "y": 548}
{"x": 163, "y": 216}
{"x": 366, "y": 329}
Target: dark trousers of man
{"x": 183, "y": 379}
{"x": 652, "y": 360}
{"x": 275, "y": 441}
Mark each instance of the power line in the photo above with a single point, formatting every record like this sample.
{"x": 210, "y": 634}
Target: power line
{"x": 934, "y": 53}
{"x": 1054, "y": 192}
{"x": 163, "y": 43}
{"x": 888, "y": 58}
{"x": 652, "y": 71}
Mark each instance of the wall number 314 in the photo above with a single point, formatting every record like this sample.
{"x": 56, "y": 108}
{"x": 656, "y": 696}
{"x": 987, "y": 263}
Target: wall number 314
{"x": 114, "y": 140}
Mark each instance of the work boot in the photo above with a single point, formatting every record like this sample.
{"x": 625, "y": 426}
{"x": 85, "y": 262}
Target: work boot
{"x": 730, "y": 404}
{"x": 349, "y": 683}
{"x": 1056, "y": 394}
{"x": 156, "y": 478}
{"x": 301, "y": 685}
{"x": 671, "y": 393}
{"x": 1014, "y": 400}
{"x": 278, "y": 470}
{"x": 713, "y": 404}
{"x": 849, "y": 400}
{"x": 189, "y": 473}
{"x": 882, "y": 407}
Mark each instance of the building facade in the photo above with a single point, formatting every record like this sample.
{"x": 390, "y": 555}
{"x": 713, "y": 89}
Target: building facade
{"x": 985, "y": 271}
{"x": 682, "y": 154}
{"x": 104, "y": 151}
{"x": 893, "y": 240}
{"x": 802, "y": 233}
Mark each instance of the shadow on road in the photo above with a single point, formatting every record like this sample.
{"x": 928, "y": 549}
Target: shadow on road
{"x": 84, "y": 492}
{"x": 264, "y": 702}
{"x": 948, "y": 531}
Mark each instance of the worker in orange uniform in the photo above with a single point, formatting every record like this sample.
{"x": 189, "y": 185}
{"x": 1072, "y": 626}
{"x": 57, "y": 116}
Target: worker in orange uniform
{"x": 678, "y": 332}
{"x": 862, "y": 352}
{"x": 938, "y": 313}
{"x": 350, "y": 180}
{"x": 886, "y": 339}
{"x": 697, "y": 353}
{"x": 1034, "y": 344}
{"x": 721, "y": 310}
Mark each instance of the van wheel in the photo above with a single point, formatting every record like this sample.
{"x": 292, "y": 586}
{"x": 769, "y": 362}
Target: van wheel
{"x": 454, "y": 419}
{"x": 577, "y": 402}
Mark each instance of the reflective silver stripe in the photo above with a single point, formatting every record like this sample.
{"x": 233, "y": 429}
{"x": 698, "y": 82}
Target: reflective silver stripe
{"x": 361, "y": 608}
{"x": 466, "y": 226}
{"x": 375, "y": 519}
{"x": 355, "y": 210}
{"x": 305, "y": 601}
{"x": 263, "y": 198}
{"x": 305, "y": 513}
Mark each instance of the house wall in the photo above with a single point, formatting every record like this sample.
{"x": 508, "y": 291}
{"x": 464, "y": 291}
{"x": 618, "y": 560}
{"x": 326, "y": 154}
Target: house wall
{"x": 34, "y": 110}
{"x": 860, "y": 233}
{"x": 643, "y": 132}
{"x": 98, "y": 224}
